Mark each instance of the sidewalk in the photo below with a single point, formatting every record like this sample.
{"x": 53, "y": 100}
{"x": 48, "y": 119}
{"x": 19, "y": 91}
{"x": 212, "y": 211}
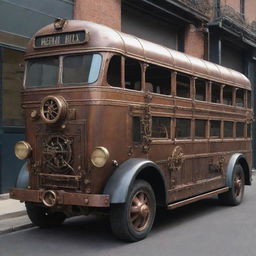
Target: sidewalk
{"x": 13, "y": 215}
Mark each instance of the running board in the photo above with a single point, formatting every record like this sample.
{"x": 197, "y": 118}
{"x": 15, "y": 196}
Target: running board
{"x": 197, "y": 198}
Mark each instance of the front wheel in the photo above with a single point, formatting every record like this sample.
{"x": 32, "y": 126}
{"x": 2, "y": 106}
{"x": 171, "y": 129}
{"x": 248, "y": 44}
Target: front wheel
{"x": 133, "y": 220}
{"x": 43, "y": 217}
{"x": 234, "y": 196}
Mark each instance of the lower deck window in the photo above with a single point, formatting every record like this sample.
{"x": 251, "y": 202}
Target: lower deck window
{"x": 161, "y": 127}
{"x": 228, "y": 129}
{"x": 215, "y": 129}
{"x": 239, "y": 130}
{"x": 136, "y": 129}
{"x": 200, "y": 128}
{"x": 249, "y": 133}
{"x": 183, "y": 128}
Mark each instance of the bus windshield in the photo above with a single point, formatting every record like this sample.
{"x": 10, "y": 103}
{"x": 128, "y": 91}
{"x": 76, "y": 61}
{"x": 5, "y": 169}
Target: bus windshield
{"x": 75, "y": 69}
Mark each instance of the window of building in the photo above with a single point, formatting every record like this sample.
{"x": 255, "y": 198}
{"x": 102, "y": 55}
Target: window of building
{"x": 249, "y": 99}
{"x": 228, "y": 129}
{"x": 159, "y": 78}
{"x": 215, "y": 128}
{"x": 183, "y": 128}
{"x": 200, "y": 128}
{"x": 161, "y": 127}
{"x": 12, "y": 80}
{"x": 240, "y": 98}
{"x": 200, "y": 86}
{"x": 216, "y": 93}
{"x": 239, "y": 130}
{"x": 114, "y": 71}
{"x": 249, "y": 130}
{"x": 227, "y": 95}
{"x": 183, "y": 86}
{"x": 132, "y": 74}
{"x": 136, "y": 129}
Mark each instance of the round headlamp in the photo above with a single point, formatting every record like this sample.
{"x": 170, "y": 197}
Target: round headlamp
{"x": 99, "y": 156}
{"x": 22, "y": 150}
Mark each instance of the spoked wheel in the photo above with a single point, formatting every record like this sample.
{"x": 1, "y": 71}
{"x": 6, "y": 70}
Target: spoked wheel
{"x": 43, "y": 217}
{"x": 133, "y": 220}
{"x": 235, "y": 194}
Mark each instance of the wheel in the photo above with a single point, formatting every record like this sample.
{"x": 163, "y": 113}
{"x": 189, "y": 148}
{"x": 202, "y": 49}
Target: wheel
{"x": 133, "y": 220}
{"x": 43, "y": 217}
{"x": 234, "y": 196}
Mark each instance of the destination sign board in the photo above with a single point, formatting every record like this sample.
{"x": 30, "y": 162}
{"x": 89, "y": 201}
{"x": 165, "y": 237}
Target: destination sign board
{"x": 60, "y": 39}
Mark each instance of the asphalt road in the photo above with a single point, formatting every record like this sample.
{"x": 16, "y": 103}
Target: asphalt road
{"x": 204, "y": 228}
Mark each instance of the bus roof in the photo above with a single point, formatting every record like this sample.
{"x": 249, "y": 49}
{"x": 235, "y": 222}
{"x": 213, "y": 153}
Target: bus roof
{"x": 102, "y": 38}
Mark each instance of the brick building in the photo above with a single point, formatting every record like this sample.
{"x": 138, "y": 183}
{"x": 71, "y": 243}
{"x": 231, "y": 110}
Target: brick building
{"x": 222, "y": 31}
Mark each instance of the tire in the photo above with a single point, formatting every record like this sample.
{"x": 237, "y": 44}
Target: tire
{"x": 234, "y": 196}
{"x": 133, "y": 220}
{"x": 42, "y": 217}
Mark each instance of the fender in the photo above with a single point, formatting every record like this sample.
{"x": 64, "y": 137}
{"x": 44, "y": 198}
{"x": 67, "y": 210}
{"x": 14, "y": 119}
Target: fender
{"x": 238, "y": 157}
{"x": 23, "y": 176}
{"x": 119, "y": 183}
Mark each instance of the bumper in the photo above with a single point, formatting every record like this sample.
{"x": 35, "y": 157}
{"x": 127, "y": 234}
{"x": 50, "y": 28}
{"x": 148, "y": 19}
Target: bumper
{"x": 59, "y": 197}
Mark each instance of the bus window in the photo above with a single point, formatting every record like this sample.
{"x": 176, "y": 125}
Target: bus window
{"x": 239, "y": 129}
{"x": 215, "y": 129}
{"x": 114, "y": 71}
{"x": 216, "y": 93}
{"x": 132, "y": 74}
{"x": 161, "y": 127}
{"x": 240, "y": 98}
{"x": 249, "y": 129}
{"x": 249, "y": 99}
{"x": 136, "y": 129}
{"x": 160, "y": 78}
{"x": 183, "y": 86}
{"x": 42, "y": 72}
{"x": 78, "y": 69}
{"x": 227, "y": 95}
{"x": 200, "y": 86}
{"x": 228, "y": 129}
{"x": 200, "y": 128}
{"x": 183, "y": 128}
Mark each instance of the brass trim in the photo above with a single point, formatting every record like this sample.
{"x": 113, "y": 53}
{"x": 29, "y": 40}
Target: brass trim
{"x": 53, "y": 109}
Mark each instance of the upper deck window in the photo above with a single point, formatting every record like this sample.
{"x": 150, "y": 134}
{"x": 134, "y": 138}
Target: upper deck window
{"x": 227, "y": 95}
{"x": 216, "y": 92}
{"x": 200, "y": 86}
{"x": 132, "y": 74}
{"x": 240, "y": 98}
{"x": 183, "y": 86}
{"x": 42, "y": 72}
{"x": 114, "y": 71}
{"x": 77, "y": 69}
{"x": 159, "y": 78}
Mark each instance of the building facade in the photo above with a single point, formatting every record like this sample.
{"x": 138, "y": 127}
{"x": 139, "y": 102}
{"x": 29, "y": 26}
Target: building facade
{"x": 221, "y": 31}
{"x": 19, "y": 20}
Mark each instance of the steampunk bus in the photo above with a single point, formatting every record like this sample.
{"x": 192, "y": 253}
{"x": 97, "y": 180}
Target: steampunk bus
{"x": 119, "y": 125}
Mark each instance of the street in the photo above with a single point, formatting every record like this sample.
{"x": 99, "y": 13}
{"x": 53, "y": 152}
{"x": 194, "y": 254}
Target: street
{"x": 203, "y": 228}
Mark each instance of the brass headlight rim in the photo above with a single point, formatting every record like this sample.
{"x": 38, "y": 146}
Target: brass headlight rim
{"x": 62, "y": 108}
{"x": 28, "y": 149}
{"x": 106, "y": 153}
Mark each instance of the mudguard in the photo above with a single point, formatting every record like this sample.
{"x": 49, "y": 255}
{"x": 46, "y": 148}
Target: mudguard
{"x": 238, "y": 157}
{"x": 23, "y": 176}
{"x": 119, "y": 183}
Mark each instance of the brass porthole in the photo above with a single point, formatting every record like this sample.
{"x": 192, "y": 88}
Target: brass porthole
{"x": 53, "y": 109}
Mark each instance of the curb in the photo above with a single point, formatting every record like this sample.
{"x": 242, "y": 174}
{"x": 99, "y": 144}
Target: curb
{"x": 4, "y": 196}
{"x": 18, "y": 228}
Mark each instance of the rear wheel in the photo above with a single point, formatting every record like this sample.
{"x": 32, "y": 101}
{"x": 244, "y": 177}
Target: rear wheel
{"x": 235, "y": 194}
{"x": 133, "y": 220}
{"x": 43, "y": 217}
